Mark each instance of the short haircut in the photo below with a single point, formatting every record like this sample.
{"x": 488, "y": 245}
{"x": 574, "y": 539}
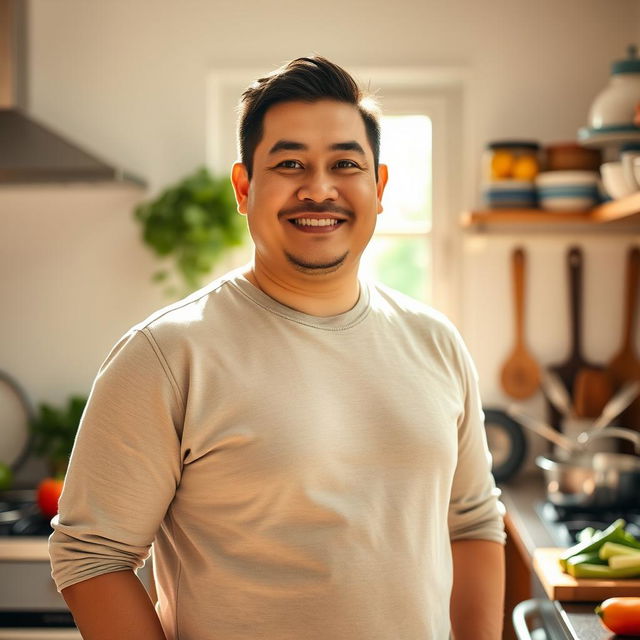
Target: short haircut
{"x": 307, "y": 80}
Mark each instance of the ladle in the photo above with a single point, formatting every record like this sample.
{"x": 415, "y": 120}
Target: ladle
{"x": 541, "y": 428}
{"x": 617, "y": 405}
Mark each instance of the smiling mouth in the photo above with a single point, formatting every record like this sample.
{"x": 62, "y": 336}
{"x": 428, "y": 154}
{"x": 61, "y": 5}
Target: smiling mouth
{"x": 316, "y": 222}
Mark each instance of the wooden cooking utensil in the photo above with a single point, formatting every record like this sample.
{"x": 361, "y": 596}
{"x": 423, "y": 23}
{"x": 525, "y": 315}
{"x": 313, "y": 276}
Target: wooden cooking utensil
{"x": 568, "y": 370}
{"x": 592, "y": 389}
{"x": 520, "y": 375}
{"x": 625, "y": 366}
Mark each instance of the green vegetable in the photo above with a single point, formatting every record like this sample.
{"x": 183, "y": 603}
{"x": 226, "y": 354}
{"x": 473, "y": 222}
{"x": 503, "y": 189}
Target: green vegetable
{"x": 587, "y": 558}
{"x": 6, "y": 476}
{"x": 626, "y": 562}
{"x": 588, "y": 570}
{"x": 611, "y": 549}
{"x": 629, "y": 540}
{"x": 613, "y": 533}
{"x": 586, "y": 534}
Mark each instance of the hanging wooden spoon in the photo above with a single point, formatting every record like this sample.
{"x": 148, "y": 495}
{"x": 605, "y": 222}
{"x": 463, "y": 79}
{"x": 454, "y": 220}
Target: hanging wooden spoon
{"x": 625, "y": 366}
{"x": 520, "y": 375}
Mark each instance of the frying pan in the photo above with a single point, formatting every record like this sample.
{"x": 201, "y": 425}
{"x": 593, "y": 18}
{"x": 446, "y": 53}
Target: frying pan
{"x": 16, "y": 414}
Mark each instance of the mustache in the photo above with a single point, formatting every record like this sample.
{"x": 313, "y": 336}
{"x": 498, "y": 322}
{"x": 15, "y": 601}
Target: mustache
{"x": 316, "y": 207}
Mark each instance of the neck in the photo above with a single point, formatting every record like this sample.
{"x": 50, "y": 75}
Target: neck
{"x": 317, "y": 296}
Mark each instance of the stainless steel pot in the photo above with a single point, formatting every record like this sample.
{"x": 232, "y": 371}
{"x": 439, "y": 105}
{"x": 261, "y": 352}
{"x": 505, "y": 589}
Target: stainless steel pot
{"x": 600, "y": 479}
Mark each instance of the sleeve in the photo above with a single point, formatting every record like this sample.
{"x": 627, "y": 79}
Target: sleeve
{"x": 124, "y": 468}
{"x": 475, "y": 511}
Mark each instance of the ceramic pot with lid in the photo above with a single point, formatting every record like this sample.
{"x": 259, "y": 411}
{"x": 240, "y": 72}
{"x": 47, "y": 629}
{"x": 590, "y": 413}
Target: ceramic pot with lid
{"x": 617, "y": 107}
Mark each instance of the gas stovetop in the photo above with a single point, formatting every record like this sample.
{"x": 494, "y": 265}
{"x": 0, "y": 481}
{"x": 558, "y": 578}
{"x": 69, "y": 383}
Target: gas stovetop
{"x": 564, "y": 524}
{"x": 21, "y": 516}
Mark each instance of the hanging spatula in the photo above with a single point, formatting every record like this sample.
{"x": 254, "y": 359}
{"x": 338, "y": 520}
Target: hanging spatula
{"x": 520, "y": 374}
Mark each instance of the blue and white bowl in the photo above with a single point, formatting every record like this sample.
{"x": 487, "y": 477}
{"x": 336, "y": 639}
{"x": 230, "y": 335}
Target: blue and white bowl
{"x": 515, "y": 194}
{"x": 568, "y": 191}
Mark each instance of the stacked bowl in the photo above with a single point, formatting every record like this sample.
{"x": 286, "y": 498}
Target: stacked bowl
{"x": 515, "y": 194}
{"x": 568, "y": 191}
{"x": 570, "y": 181}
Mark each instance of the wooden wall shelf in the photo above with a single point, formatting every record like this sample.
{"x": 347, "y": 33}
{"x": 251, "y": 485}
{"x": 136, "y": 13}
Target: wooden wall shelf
{"x": 623, "y": 214}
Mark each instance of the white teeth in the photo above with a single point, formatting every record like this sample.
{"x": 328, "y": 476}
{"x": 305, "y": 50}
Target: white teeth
{"x": 315, "y": 222}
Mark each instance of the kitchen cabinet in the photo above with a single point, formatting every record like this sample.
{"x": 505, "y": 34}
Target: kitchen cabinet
{"x": 622, "y": 216}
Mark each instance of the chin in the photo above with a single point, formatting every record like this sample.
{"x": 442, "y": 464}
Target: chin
{"x": 318, "y": 267}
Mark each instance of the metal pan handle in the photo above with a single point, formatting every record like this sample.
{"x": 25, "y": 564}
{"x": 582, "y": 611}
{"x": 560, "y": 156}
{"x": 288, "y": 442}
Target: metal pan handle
{"x": 542, "y": 610}
{"x": 522, "y": 611}
{"x": 611, "y": 432}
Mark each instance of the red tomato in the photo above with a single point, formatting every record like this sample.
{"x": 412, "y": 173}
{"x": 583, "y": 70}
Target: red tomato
{"x": 621, "y": 615}
{"x": 49, "y": 491}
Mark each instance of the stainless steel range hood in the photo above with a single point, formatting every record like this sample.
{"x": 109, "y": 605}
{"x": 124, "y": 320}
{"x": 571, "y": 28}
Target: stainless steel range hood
{"x": 30, "y": 151}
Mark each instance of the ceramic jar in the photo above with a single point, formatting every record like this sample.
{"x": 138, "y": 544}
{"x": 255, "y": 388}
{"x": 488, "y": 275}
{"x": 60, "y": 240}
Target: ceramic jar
{"x": 617, "y": 106}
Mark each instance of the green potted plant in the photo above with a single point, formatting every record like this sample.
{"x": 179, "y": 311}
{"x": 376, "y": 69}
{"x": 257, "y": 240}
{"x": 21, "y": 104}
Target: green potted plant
{"x": 194, "y": 222}
{"x": 53, "y": 432}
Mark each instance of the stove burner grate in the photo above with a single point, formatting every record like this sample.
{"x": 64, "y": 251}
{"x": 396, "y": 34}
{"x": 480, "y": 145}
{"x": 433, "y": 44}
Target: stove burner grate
{"x": 21, "y": 516}
{"x": 564, "y": 523}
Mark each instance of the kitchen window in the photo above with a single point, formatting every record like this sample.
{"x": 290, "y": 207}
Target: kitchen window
{"x": 399, "y": 254}
{"x": 417, "y": 244}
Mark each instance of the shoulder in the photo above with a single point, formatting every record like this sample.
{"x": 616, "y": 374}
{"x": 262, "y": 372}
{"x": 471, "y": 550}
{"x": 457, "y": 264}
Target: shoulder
{"x": 403, "y": 309}
{"x": 190, "y": 310}
{"x": 176, "y": 330}
{"x": 422, "y": 324}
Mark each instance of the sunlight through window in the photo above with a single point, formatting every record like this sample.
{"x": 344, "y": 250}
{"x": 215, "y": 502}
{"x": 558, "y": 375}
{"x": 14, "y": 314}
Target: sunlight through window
{"x": 399, "y": 254}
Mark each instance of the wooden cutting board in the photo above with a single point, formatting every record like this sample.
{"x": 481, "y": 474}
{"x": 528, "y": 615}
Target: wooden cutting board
{"x": 561, "y": 586}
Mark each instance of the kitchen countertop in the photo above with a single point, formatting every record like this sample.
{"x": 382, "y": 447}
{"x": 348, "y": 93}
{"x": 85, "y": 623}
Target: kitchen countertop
{"x": 520, "y": 495}
{"x": 27, "y": 548}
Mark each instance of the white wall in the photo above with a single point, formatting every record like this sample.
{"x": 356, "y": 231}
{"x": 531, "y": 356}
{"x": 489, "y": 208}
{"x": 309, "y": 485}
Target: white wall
{"x": 127, "y": 77}
{"x": 74, "y": 278}
{"x": 127, "y": 80}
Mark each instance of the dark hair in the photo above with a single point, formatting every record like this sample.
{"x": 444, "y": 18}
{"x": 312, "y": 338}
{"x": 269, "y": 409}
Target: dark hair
{"x": 309, "y": 80}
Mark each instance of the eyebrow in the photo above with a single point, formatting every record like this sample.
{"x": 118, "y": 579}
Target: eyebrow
{"x": 290, "y": 145}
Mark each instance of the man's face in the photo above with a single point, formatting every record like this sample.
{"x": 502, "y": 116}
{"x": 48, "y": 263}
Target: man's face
{"x": 313, "y": 199}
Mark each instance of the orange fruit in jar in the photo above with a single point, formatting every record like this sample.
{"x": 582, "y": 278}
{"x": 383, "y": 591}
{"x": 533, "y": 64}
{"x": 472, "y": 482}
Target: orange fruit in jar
{"x": 525, "y": 168}
{"x": 502, "y": 164}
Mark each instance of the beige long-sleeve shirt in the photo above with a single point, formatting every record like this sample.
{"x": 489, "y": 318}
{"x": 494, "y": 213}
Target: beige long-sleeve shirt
{"x": 300, "y": 478}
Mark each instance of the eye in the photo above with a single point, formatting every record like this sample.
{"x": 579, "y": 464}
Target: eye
{"x": 346, "y": 164}
{"x": 289, "y": 164}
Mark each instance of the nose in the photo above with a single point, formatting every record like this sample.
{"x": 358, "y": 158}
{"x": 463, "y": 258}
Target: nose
{"x": 318, "y": 186}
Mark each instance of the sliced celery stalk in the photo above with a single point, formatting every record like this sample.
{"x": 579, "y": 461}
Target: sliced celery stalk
{"x": 587, "y": 558}
{"x": 625, "y": 562}
{"x": 586, "y": 534}
{"x": 611, "y": 549}
{"x": 604, "y": 572}
{"x": 611, "y": 533}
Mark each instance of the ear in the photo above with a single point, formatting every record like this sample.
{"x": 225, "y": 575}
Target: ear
{"x": 383, "y": 176}
{"x": 240, "y": 182}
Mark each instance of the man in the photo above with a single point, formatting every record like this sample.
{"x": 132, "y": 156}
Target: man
{"x": 304, "y": 449}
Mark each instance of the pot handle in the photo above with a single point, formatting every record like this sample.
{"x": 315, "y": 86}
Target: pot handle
{"x": 610, "y": 432}
{"x": 521, "y": 613}
{"x": 540, "y": 613}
